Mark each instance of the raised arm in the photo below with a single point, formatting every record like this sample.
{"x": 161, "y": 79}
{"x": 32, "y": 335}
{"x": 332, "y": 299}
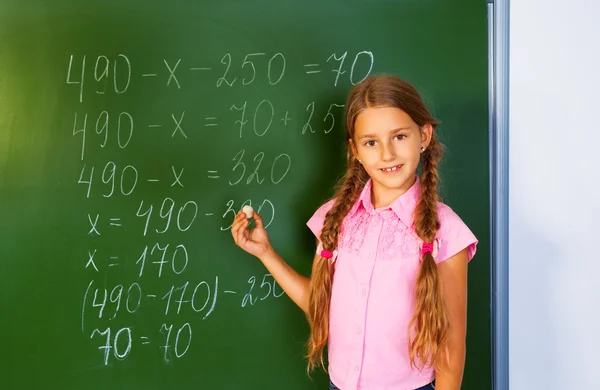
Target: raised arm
{"x": 256, "y": 242}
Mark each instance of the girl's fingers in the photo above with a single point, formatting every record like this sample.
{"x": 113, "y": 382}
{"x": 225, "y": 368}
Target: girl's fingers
{"x": 239, "y": 230}
{"x": 238, "y": 219}
{"x": 236, "y": 230}
{"x": 234, "y": 234}
{"x": 258, "y": 220}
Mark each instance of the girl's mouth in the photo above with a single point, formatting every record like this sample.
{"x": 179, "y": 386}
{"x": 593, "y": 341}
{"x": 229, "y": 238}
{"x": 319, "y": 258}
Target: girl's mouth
{"x": 391, "y": 170}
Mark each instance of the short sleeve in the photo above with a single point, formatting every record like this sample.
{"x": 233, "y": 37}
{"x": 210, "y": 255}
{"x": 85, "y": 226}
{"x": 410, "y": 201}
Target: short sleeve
{"x": 315, "y": 223}
{"x": 453, "y": 236}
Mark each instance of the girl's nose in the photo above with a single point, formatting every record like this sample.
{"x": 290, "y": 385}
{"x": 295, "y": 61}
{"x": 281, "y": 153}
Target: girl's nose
{"x": 388, "y": 152}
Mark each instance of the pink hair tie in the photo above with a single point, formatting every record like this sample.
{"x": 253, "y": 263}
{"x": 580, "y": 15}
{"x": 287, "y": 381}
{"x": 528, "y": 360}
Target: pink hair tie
{"x": 427, "y": 248}
{"x": 326, "y": 254}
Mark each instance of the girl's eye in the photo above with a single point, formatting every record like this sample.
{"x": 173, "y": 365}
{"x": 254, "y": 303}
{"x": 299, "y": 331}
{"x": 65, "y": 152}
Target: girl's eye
{"x": 401, "y": 136}
{"x": 370, "y": 143}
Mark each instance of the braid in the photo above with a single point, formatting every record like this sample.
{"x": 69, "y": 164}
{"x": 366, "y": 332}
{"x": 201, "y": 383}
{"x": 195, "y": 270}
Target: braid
{"x": 321, "y": 279}
{"x": 430, "y": 320}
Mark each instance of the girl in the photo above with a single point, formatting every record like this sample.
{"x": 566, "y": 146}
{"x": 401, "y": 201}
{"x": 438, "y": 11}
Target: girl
{"x": 387, "y": 292}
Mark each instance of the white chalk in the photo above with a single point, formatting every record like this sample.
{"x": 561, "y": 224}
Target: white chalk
{"x": 248, "y": 210}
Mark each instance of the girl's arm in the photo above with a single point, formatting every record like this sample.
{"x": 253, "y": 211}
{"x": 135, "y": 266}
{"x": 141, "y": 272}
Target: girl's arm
{"x": 453, "y": 273}
{"x": 294, "y": 284}
{"x": 256, "y": 242}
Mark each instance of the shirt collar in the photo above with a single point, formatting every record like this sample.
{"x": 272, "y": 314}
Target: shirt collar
{"x": 403, "y": 206}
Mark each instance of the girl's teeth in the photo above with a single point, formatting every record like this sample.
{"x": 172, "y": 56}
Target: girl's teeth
{"x": 390, "y": 169}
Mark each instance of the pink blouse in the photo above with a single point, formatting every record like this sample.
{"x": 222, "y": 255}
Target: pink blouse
{"x": 373, "y": 299}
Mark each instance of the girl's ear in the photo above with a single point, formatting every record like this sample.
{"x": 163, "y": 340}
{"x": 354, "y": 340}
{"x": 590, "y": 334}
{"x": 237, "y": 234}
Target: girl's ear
{"x": 426, "y": 134}
{"x": 353, "y": 148}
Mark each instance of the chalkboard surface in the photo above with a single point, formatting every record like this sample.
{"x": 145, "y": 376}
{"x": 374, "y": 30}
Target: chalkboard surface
{"x": 131, "y": 132}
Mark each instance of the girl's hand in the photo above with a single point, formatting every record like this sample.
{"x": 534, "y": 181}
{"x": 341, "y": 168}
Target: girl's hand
{"x": 254, "y": 241}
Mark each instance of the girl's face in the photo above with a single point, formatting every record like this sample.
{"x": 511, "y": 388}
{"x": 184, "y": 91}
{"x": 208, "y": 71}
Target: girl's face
{"x": 388, "y": 144}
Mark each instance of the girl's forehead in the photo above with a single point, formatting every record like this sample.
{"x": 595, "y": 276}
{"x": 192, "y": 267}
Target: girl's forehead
{"x": 382, "y": 119}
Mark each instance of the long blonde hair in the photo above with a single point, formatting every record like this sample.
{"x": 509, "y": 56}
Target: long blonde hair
{"x": 430, "y": 321}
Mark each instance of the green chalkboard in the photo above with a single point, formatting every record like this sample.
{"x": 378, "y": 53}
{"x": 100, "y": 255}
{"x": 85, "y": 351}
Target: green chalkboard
{"x": 130, "y": 132}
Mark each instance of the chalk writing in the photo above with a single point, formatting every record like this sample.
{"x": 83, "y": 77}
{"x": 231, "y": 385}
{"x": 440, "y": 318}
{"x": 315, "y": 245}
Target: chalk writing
{"x": 144, "y": 176}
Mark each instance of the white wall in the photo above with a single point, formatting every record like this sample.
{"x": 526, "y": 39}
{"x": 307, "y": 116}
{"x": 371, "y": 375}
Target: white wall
{"x": 554, "y": 197}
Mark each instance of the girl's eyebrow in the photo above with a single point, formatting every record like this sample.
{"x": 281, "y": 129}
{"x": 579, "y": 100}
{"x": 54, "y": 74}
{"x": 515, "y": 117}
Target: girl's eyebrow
{"x": 391, "y": 132}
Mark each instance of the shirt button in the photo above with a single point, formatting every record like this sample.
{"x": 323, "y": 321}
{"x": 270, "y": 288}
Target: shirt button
{"x": 358, "y": 330}
{"x": 364, "y": 292}
{"x": 355, "y": 368}
{"x": 370, "y": 254}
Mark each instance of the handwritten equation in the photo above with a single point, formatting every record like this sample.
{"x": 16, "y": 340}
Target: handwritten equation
{"x": 114, "y": 75}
